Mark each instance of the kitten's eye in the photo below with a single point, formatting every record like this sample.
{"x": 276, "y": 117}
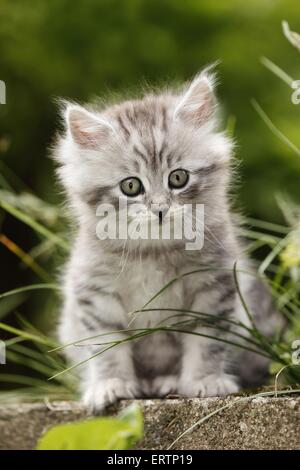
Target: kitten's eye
{"x": 178, "y": 179}
{"x": 131, "y": 186}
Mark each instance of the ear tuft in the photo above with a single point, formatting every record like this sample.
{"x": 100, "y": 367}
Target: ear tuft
{"x": 197, "y": 104}
{"x": 86, "y": 128}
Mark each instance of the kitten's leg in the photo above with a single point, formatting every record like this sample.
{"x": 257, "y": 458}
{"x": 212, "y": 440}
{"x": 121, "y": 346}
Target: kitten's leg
{"x": 204, "y": 369}
{"x": 110, "y": 375}
{"x": 203, "y": 375}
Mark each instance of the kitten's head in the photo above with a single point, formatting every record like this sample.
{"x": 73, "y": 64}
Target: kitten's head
{"x": 161, "y": 152}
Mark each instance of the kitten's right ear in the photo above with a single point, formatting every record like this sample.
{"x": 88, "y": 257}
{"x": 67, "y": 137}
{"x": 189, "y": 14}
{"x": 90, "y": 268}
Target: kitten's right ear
{"x": 197, "y": 104}
{"x": 86, "y": 128}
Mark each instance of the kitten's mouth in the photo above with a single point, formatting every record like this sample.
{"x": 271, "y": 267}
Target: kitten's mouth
{"x": 160, "y": 213}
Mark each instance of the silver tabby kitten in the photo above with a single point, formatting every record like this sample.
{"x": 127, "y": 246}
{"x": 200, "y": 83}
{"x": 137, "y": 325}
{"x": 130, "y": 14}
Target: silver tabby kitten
{"x": 161, "y": 151}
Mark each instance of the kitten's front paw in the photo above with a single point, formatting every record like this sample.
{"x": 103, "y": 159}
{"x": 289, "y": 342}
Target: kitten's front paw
{"x": 164, "y": 385}
{"x": 210, "y": 386}
{"x": 98, "y": 396}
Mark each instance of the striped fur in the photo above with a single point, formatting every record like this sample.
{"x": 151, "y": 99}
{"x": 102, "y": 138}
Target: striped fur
{"x": 104, "y": 280}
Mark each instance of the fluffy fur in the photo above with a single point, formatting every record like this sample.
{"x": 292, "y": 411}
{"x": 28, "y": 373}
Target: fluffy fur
{"x": 105, "y": 280}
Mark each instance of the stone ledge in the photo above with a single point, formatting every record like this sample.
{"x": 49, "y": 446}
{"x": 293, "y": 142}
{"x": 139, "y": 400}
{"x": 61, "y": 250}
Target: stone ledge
{"x": 259, "y": 423}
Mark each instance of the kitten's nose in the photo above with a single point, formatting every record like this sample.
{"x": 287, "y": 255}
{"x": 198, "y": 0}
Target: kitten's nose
{"x": 160, "y": 210}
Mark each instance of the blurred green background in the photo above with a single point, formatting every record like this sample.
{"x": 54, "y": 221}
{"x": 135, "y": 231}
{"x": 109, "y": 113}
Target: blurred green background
{"x": 84, "y": 49}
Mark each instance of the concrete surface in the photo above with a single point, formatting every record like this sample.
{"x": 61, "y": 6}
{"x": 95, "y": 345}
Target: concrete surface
{"x": 259, "y": 423}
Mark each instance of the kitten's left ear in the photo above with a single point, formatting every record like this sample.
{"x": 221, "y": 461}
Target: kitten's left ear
{"x": 87, "y": 129}
{"x": 197, "y": 105}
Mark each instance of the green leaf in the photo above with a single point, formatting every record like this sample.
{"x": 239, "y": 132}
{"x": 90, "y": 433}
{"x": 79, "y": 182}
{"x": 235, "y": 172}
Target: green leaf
{"x": 109, "y": 433}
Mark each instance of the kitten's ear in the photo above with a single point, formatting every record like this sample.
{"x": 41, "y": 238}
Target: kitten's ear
{"x": 87, "y": 129}
{"x": 197, "y": 104}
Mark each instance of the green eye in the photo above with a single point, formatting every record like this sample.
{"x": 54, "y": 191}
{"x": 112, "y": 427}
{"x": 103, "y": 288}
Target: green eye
{"x": 178, "y": 179}
{"x": 131, "y": 186}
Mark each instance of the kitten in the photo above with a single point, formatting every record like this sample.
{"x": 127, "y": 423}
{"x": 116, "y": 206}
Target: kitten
{"x": 163, "y": 151}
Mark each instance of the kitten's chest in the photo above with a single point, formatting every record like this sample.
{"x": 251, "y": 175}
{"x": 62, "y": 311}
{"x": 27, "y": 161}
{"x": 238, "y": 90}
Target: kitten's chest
{"x": 141, "y": 283}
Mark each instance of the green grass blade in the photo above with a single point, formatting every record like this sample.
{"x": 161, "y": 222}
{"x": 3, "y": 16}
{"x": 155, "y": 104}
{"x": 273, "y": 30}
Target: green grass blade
{"x": 25, "y": 335}
{"x": 274, "y": 129}
{"x": 36, "y": 226}
{"x": 31, "y": 287}
{"x": 277, "y": 71}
